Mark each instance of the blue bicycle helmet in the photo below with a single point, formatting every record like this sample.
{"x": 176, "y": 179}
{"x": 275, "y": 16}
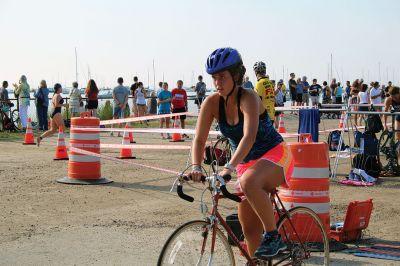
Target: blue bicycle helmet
{"x": 223, "y": 59}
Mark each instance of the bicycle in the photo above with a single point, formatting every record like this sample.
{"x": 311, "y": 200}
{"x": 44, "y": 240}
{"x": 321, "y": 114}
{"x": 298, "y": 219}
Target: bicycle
{"x": 388, "y": 150}
{"x": 191, "y": 243}
{"x": 13, "y": 121}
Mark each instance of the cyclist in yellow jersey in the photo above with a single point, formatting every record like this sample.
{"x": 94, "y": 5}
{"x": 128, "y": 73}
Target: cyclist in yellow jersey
{"x": 265, "y": 88}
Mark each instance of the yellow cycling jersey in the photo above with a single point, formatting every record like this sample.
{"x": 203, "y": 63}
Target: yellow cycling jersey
{"x": 265, "y": 90}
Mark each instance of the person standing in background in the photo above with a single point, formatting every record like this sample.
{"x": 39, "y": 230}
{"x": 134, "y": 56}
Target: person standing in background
{"x": 326, "y": 93}
{"x": 75, "y": 100}
{"x": 306, "y": 87}
{"x": 278, "y": 102}
{"x": 22, "y": 90}
{"x": 299, "y": 93}
{"x": 363, "y": 98}
{"x": 264, "y": 88}
{"x": 4, "y": 95}
{"x": 315, "y": 89}
{"x": 376, "y": 96}
{"x": 200, "y": 90}
{"x": 292, "y": 89}
{"x": 42, "y": 105}
{"x": 91, "y": 93}
{"x": 339, "y": 94}
{"x": 247, "y": 84}
{"x": 141, "y": 100}
{"x": 355, "y": 90}
{"x": 164, "y": 107}
{"x": 179, "y": 103}
{"x": 152, "y": 103}
{"x": 388, "y": 88}
{"x": 333, "y": 87}
{"x": 134, "y": 86}
{"x": 120, "y": 96}
{"x": 347, "y": 91}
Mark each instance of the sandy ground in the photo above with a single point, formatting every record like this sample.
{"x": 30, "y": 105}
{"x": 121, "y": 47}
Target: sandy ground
{"x": 126, "y": 222}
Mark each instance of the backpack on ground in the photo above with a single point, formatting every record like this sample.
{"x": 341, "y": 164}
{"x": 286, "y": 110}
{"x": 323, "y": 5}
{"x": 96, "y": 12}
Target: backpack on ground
{"x": 367, "y": 141}
{"x": 368, "y": 163}
{"x": 333, "y": 141}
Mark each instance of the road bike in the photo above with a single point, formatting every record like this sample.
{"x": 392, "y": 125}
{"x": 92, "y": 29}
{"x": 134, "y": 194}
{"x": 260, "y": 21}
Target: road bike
{"x": 9, "y": 119}
{"x": 204, "y": 242}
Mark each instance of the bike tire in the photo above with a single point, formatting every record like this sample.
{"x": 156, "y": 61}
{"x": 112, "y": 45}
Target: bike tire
{"x": 310, "y": 237}
{"x": 385, "y": 150}
{"x": 184, "y": 245}
{"x": 15, "y": 119}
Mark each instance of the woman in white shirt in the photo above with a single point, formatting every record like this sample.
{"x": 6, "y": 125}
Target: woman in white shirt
{"x": 363, "y": 98}
{"x": 140, "y": 96}
{"x": 75, "y": 100}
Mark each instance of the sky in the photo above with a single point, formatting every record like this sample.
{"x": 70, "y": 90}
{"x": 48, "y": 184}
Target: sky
{"x": 124, "y": 37}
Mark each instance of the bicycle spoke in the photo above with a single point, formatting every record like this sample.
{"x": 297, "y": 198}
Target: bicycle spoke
{"x": 305, "y": 237}
{"x": 190, "y": 244}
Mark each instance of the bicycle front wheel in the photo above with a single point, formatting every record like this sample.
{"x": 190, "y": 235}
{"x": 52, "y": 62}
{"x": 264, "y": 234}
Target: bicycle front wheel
{"x": 304, "y": 234}
{"x": 15, "y": 119}
{"x": 190, "y": 244}
{"x": 387, "y": 152}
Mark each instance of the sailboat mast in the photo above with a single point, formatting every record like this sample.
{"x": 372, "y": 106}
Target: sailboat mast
{"x": 76, "y": 65}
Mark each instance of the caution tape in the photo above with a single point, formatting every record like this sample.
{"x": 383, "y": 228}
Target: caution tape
{"x": 102, "y": 156}
{"x": 144, "y": 147}
{"x": 168, "y": 130}
{"x": 142, "y": 118}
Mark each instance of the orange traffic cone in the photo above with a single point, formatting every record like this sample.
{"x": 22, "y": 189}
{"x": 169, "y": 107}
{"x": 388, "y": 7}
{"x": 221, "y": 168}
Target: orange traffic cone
{"x": 126, "y": 153}
{"x": 29, "y": 139}
{"x": 176, "y": 137}
{"x": 341, "y": 120}
{"x": 281, "y": 128}
{"x": 61, "y": 150}
{"x": 130, "y": 134}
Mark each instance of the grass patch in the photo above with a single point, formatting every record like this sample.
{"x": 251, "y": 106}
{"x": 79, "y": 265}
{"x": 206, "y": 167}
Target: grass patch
{"x": 11, "y": 136}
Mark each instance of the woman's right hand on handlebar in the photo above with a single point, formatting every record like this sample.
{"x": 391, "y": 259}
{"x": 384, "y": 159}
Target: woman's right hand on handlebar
{"x": 196, "y": 173}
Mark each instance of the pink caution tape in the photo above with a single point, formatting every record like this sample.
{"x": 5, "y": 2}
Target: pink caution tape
{"x": 85, "y": 152}
{"x": 144, "y": 147}
{"x": 142, "y": 118}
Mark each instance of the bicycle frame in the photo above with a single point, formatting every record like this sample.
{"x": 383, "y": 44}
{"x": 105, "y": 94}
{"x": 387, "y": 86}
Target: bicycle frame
{"x": 215, "y": 217}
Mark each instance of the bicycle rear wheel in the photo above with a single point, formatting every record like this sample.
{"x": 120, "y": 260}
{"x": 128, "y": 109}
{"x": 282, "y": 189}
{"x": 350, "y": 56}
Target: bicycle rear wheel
{"x": 387, "y": 153}
{"x": 305, "y": 236}
{"x": 190, "y": 244}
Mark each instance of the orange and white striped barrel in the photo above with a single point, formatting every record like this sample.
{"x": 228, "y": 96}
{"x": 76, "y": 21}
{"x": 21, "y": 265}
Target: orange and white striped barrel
{"x": 309, "y": 185}
{"x": 84, "y": 169}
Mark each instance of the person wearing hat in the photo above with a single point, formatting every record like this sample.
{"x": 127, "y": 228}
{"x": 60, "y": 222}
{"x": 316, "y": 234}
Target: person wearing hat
{"x": 376, "y": 96}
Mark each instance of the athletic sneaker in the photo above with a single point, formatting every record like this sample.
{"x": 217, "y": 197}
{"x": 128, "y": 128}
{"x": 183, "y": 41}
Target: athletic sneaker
{"x": 270, "y": 246}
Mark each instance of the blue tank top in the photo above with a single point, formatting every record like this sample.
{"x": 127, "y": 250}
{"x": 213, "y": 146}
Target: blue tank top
{"x": 266, "y": 139}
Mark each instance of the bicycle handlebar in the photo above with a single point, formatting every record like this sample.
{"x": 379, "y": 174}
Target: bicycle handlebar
{"x": 223, "y": 189}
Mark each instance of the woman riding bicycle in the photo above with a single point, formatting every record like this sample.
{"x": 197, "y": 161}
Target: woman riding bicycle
{"x": 262, "y": 160}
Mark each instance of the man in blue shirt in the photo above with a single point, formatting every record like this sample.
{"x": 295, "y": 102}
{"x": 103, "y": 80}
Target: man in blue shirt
{"x": 120, "y": 98}
{"x": 164, "y": 107}
{"x": 247, "y": 84}
{"x": 306, "y": 86}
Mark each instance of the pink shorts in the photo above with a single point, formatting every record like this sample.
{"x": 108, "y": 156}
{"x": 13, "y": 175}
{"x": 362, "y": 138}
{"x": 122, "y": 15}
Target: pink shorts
{"x": 279, "y": 155}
